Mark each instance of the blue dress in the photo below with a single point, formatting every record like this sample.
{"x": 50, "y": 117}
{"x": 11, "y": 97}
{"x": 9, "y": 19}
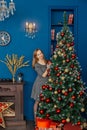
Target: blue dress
{"x": 39, "y": 81}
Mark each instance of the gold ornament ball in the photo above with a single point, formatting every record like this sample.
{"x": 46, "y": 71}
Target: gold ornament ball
{"x": 62, "y": 77}
{"x": 84, "y": 124}
{"x": 55, "y": 106}
{"x": 70, "y": 48}
{"x": 62, "y": 54}
{"x": 60, "y": 43}
{"x": 59, "y": 52}
{"x": 55, "y": 92}
{"x": 66, "y": 70}
{"x": 39, "y": 104}
{"x": 55, "y": 56}
{"x": 63, "y": 61}
{"x": 63, "y": 91}
{"x": 75, "y": 79}
{"x": 50, "y": 80}
{"x": 68, "y": 120}
{"x": 70, "y": 72}
{"x": 82, "y": 109}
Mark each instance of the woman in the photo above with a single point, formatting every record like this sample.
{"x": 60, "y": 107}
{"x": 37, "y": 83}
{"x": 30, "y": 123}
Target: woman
{"x": 41, "y": 66}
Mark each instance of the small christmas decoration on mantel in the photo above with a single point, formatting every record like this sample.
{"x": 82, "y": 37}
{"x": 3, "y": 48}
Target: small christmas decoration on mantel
{"x": 3, "y": 107}
{"x": 19, "y": 77}
{"x": 13, "y": 62}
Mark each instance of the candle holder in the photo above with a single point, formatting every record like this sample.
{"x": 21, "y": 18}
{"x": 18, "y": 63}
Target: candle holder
{"x": 30, "y": 29}
{"x": 20, "y": 77}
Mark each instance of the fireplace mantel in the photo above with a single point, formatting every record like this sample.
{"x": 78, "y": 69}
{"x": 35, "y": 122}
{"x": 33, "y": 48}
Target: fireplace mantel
{"x": 13, "y": 92}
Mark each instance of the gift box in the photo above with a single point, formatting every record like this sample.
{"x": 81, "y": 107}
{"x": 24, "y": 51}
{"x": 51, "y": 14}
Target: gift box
{"x": 69, "y": 126}
{"x": 46, "y": 124}
{"x": 55, "y": 126}
{"x": 42, "y": 129}
{"x": 48, "y": 128}
{"x": 43, "y": 123}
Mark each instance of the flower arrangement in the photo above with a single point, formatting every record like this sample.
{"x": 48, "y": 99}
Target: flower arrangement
{"x": 14, "y": 63}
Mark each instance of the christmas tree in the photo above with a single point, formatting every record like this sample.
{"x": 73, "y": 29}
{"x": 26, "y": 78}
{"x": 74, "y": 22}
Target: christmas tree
{"x": 62, "y": 96}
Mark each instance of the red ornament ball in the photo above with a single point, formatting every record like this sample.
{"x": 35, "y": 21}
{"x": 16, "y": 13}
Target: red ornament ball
{"x": 60, "y": 83}
{"x": 58, "y": 74}
{"x": 58, "y": 111}
{"x": 62, "y": 34}
{"x": 67, "y": 60}
{"x": 70, "y": 89}
{"x": 72, "y": 65}
{"x": 78, "y": 77}
{"x": 48, "y": 74}
{"x": 66, "y": 93}
{"x": 78, "y": 123}
{"x": 81, "y": 93}
{"x": 41, "y": 95}
{"x": 56, "y": 68}
{"x": 47, "y": 86}
{"x": 73, "y": 56}
{"x": 47, "y": 100}
{"x": 68, "y": 45}
{"x": 59, "y": 98}
{"x": 42, "y": 99}
{"x": 64, "y": 42}
{"x": 65, "y": 55}
{"x": 63, "y": 121}
{"x": 73, "y": 97}
{"x": 50, "y": 88}
{"x": 57, "y": 46}
{"x": 47, "y": 115}
{"x": 71, "y": 104}
{"x": 59, "y": 90}
{"x": 72, "y": 44}
{"x": 43, "y": 87}
{"x": 41, "y": 111}
{"x": 56, "y": 81}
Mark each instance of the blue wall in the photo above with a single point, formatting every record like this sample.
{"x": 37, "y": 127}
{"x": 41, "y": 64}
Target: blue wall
{"x": 38, "y": 11}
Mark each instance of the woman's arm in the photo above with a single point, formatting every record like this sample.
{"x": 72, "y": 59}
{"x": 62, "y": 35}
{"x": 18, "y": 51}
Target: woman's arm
{"x": 45, "y": 73}
{"x": 48, "y": 67}
{"x": 40, "y": 71}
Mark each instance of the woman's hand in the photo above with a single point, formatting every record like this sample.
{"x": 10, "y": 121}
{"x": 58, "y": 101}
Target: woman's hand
{"x": 49, "y": 64}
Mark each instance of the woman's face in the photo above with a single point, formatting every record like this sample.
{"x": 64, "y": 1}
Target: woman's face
{"x": 40, "y": 54}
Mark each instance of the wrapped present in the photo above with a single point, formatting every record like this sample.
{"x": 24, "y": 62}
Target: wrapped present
{"x": 48, "y": 129}
{"x": 55, "y": 125}
{"x": 43, "y": 128}
{"x": 36, "y": 128}
{"x": 46, "y": 124}
{"x": 69, "y": 126}
{"x": 57, "y": 128}
{"x": 43, "y": 123}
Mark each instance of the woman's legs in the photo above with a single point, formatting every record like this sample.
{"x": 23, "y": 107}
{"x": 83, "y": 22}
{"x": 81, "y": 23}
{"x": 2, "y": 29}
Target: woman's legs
{"x": 35, "y": 109}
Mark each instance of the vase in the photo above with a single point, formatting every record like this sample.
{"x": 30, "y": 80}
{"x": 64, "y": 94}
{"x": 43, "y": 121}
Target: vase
{"x": 13, "y": 79}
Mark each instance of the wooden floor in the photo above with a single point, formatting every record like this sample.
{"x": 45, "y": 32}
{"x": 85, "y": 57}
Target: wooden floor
{"x": 30, "y": 126}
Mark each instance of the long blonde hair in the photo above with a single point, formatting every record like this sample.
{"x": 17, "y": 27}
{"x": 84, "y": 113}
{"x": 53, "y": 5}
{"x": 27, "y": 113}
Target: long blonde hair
{"x": 35, "y": 59}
